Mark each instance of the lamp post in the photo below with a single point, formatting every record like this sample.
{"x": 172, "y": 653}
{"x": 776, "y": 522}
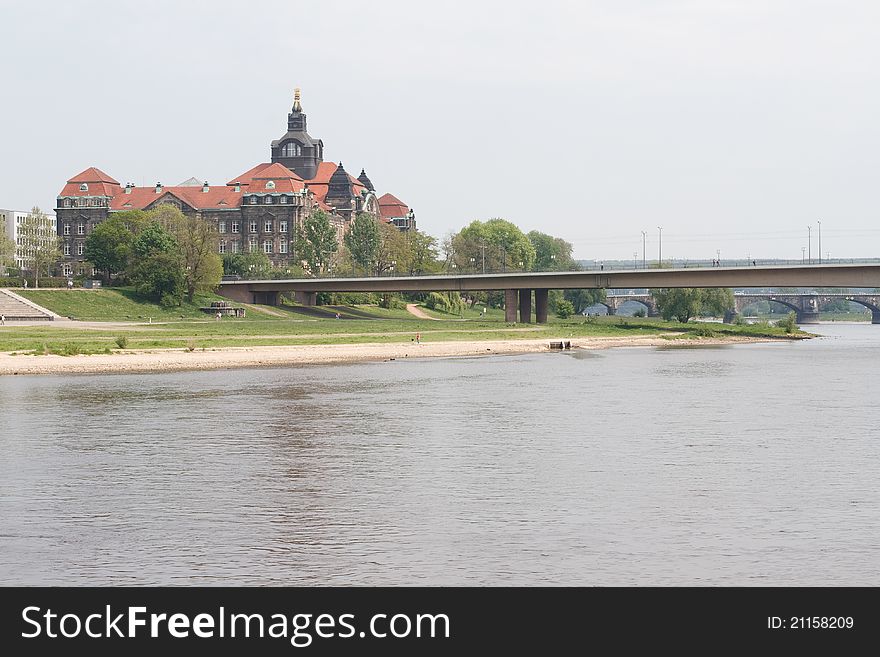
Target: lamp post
{"x": 718, "y": 255}
{"x": 820, "y": 240}
{"x": 635, "y": 259}
{"x": 660, "y": 247}
{"x": 803, "y": 254}
{"x": 810, "y": 244}
{"x": 644, "y": 241}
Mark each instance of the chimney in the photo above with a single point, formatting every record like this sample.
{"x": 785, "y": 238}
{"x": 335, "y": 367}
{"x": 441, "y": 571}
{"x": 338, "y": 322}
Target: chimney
{"x": 158, "y": 187}
{"x": 238, "y": 186}
{"x": 128, "y": 187}
{"x": 205, "y": 187}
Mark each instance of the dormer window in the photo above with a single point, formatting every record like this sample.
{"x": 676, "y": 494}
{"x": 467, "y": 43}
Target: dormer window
{"x": 253, "y": 200}
{"x": 270, "y": 184}
{"x": 268, "y": 200}
{"x": 283, "y": 200}
{"x": 83, "y": 187}
{"x": 291, "y": 149}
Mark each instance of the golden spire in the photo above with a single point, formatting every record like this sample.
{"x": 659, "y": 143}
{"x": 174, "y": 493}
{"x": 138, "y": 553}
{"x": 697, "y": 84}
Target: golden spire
{"x": 296, "y": 106}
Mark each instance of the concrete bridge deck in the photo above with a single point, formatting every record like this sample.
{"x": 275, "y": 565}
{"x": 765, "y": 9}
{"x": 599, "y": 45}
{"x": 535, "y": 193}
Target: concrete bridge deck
{"x": 518, "y": 286}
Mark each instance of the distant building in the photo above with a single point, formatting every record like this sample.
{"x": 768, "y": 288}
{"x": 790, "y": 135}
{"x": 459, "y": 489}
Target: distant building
{"x": 13, "y": 223}
{"x": 258, "y": 210}
{"x": 393, "y": 210}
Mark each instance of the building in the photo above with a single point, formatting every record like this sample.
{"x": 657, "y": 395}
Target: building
{"x": 258, "y": 210}
{"x": 14, "y": 224}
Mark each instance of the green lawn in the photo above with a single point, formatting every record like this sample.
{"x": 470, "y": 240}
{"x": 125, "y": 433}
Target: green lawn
{"x": 201, "y": 332}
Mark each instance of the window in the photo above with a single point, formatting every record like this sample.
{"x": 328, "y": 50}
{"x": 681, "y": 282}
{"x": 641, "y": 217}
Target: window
{"x": 236, "y": 227}
{"x": 67, "y": 249}
{"x": 221, "y": 227}
{"x": 270, "y": 184}
{"x": 222, "y": 246}
{"x": 291, "y": 149}
{"x": 268, "y": 200}
{"x": 267, "y": 228}
{"x": 236, "y": 246}
{"x": 252, "y": 246}
{"x": 253, "y": 200}
{"x": 267, "y": 246}
{"x": 68, "y": 270}
{"x": 283, "y": 246}
{"x": 283, "y": 200}
{"x": 83, "y": 187}
{"x": 253, "y": 226}
{"x": 80, "y": 229}
{"x": 67, "y": 203}
{"x": 282, "y": 226}
{"x": 80, "y": 248}
{"x": 67, "y": 229}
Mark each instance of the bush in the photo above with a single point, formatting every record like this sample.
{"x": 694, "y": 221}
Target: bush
{"x": 121, "y": 341}
{"x": 391, "y": 301}
{"x": 564, "y": 309}
{"x": 789, "y": 323}
{"x": 641, "y": 312}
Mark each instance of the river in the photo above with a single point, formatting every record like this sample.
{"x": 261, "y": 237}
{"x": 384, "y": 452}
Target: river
{"x": 737, "y": 465}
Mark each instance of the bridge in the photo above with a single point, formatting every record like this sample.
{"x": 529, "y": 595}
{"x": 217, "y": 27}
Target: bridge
{"x": 519, "y": 286}
{"x": 806, "y": 305}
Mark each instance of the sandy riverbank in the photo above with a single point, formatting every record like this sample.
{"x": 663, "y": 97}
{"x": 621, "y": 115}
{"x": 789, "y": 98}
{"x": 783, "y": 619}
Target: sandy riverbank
{"x": 165, "y": 360}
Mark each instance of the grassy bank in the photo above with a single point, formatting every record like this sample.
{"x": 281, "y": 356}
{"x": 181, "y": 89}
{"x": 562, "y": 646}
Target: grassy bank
{"x": 191, "y": 329}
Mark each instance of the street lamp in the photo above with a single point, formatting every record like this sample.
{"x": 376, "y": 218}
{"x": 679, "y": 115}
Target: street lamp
{"x": 660, "y": 247}
{"x": 718, "y": 255}
{"x": 820, "y": 240}
{"x": 644, "y": 241}
{"x": 810, "y": 243}
{"x": 635, "y": 259}
{"x": 803, "y": 254}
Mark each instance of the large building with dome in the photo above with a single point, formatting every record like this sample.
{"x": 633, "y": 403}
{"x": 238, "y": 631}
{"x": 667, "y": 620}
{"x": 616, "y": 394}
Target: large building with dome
{"x": 257, "y": 210}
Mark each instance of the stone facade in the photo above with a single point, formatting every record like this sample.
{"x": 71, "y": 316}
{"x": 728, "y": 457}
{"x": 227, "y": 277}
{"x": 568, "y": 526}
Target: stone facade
{"x": 256, "y": 211}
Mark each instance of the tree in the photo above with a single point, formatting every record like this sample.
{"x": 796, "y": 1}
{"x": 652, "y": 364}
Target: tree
{"x": 551, "y": 253}
{"x": 315, "y": 240}
{"x": 393, "y": 254}
{"x": 157, "y": 266}
{"x": 362, "y": 241}
{"x": 197, "y": 242}
{"x": 582, "y": 299}
{"x": 682, "y": 303}
{"x": 254, "y": 265}
{"x": 564, "y": 309}
{"x": 422, "y": 252}
{"x": 7, "y": 251}
{"x": 494, "y": 245}
{"x": 108, "y": 246}
{"x": 39, "y": 243}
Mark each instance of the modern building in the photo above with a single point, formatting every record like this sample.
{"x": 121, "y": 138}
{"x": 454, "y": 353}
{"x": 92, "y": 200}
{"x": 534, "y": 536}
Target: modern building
{"x": 15, "y": 225}
{"x": 257, "y": 210}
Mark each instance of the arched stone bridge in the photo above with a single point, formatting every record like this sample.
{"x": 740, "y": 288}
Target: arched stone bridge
{"x": 806, "y": 306}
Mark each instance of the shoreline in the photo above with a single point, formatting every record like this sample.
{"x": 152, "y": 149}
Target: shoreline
{"x": 176, "y": 360}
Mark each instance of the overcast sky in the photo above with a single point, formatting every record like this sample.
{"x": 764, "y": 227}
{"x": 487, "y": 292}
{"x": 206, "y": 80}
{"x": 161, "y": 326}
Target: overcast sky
{"x": 731, "y": 124}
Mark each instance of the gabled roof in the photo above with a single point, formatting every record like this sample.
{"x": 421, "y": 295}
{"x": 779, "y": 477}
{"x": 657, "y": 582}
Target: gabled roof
{"x": 246, "y": 177}
{"x": 93, "y": 174}
{"x": 391, "y": 207}
{"x": 320, "y": 183}
{"x": 190, "y": 182}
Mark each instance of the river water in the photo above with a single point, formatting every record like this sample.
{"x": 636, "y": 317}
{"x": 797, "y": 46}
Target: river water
{"x": 737, "y": 465}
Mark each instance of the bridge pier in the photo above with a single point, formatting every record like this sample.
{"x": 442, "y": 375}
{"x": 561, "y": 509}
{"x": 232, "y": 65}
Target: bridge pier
{"x": 511, "y": 298}
{"x": 807, "y": 317}
{"x": 541, "y": 296}
{"x": 305, "y": 298}
{"x": 270, "y": 298}
{"x": 525, "y": 306}
{"x": 875, "y": 316}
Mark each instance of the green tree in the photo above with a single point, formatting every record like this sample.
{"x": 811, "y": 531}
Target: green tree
{"x": 564, "y": 309}
{"x": 39, "y": 244}
{"x": 422, "y": 253}
{"x": 254, "y": 265}
{"x": 363, "y": 241}
{"x": 197, "y": 241}
{"x": 315, "y": 240}
{"x": 7, "y": 250}
{"x": 157, "y": 266}
{"x": 682, "y": 303}
{"x": 582, "y": 299}
{"x": 393, "y": 254}
{"x": 551, "y": 253}
{"x": 494, "y": 245}
{"x": 108, "y": 246}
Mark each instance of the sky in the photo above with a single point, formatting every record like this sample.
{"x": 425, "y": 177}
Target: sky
{"x": 733, "y": 126}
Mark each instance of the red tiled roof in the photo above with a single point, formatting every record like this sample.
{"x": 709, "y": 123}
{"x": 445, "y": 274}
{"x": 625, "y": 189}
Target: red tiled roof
{"x": 248, "y": 175}
{"x": 285, "y": 180}
{"x": 390, "y": 206}
{"x": 142, "y": 197}
{"x": 319, "y": 184}
{"x": 98, "y": 183}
